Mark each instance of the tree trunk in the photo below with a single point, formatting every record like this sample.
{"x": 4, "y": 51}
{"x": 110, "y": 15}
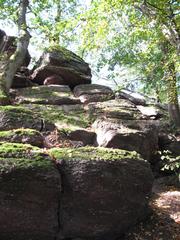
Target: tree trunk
{"x": 9, "y": 69}
{"x": 173, "y": 106}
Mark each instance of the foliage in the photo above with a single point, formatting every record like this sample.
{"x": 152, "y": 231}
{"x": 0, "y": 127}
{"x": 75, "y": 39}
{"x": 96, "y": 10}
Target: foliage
{"x": 170, "y": 162}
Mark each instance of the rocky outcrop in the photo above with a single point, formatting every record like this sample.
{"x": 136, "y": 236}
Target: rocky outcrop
{"x": 29, "y": 193}
{"x": 63, "y": 190}
{"x": 64, "y": 64}
{"x": 95, "y": 203}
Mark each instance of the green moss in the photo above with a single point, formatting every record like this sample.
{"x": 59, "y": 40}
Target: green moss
{"x": 92, "y": 153}
{"x": 71, "y": 120}
{"x": 20, "y": 132}
{"x": 65, "y": 52}
{"x": 22, "y": 156}
{"x": 42, "y": 94}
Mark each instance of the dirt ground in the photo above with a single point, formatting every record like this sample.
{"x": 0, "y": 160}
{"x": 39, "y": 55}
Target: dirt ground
{"x": 164, "y": 223}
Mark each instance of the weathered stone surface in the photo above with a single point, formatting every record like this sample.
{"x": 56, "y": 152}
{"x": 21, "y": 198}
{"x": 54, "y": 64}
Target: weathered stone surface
{"x": 14, "y": 117}
{"x": 93, "y": 93}
{"x": 135, "y": 98}
{"x": 65, "y": 117}
{"x": 118, "y": 108}
{"x": 65, "y": 64}
{"x": 51, "y": 94}
{"x": 86, "y": 137}
{"x": 29, "y": 194}
{"x": 22, "y": 135}
{"x": 151, "y": 112}
{"x": 104, "y": 192}
{"x": 112, "y": 133}
{"x": 54, "y": 79}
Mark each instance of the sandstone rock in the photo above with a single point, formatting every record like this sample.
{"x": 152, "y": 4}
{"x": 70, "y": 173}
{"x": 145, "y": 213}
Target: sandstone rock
{"x": 86, "y": 137}
{"x": 135, "y": 98}
{"x": 104, "y": 192}
{"x": 54, "y": 80}
{"x": 112, "y": 133}
{"x": 51, "y": 95}
{"x": 63, "y": 63}
{"x": 118, "y": 108}
{"x": 14, "y": 117}
{"x": 93, "y": 93}
{"x": 150, "y": 111}
{"x": 29, "y": 194}
{"x": 21, "y": 135}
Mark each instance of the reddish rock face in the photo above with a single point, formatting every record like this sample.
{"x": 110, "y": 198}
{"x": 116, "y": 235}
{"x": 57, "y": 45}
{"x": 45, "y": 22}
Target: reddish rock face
{"x": 102, "y": 198}
{"x": 55, "y": 80}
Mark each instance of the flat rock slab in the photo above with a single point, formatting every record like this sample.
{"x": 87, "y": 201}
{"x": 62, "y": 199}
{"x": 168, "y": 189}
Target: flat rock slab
{"x": 98, "y": 185}
{"x": 63, "y": 63}
{"x": 51, "y": 94}
{"x": 134, "y": 97}
{"x": 29, "y": 193}
{"x": 117, "y": 108}
{"x": 93, "y": 93}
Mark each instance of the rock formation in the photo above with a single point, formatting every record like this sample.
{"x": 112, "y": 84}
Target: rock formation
{"x": 78, "y": 161}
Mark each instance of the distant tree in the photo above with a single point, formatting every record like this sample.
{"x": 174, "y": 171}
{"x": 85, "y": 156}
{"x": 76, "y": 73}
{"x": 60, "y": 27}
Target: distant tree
{"x": 140, "y": 34}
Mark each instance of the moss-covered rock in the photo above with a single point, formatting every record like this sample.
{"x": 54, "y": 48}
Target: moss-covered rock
{"x": 64, "y": 117}
{"x": 29, "y": 190}
{"x": 118, "y": 108}
{"x": 13, "y": 117}
{"x": 22, "y": 135}
{"x": 64, "y": 63}
{"x": 93, "y": 153}
{"x": 51, "y": 95}
{"x": 105, "y": 191}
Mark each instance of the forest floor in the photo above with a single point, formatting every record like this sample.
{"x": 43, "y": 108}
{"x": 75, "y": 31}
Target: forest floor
{"x": 164, "y": 223}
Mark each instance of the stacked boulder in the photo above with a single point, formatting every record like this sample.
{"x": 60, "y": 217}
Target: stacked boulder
{"x": 76, "y": 166}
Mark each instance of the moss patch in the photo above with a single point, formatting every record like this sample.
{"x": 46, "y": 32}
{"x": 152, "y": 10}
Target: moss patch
{"x": 73, "y": 119}
{"x": 19, "y": 132}
{"x": 92, "y": 153}
{"x": 22, "y": 156}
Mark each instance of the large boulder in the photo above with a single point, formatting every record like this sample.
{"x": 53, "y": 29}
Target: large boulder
{"x": 51, "y": 95}
{"x": 63, "y": 63}
{"x": 93, "y": 93}
{"x": 29, "y": 194}
{"x": 114, "y": 133}
{"x": 104, "y": 193}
